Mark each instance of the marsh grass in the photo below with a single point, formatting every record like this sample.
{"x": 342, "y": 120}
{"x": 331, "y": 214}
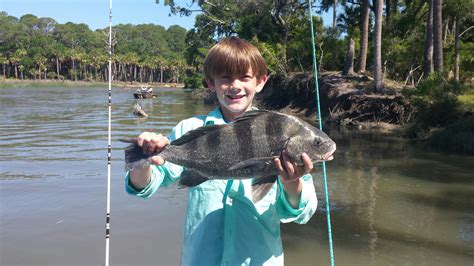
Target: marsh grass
{"x": 13, "y": 84}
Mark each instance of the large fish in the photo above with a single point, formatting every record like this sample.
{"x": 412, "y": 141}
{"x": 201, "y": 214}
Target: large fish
{"x": 243, "y": 149}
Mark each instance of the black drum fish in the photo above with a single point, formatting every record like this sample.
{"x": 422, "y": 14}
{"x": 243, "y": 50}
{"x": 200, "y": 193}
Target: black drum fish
{"x": 243, "y": 149}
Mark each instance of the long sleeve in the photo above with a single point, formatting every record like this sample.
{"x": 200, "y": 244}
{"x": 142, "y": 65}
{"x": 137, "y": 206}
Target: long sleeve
{"x": 307, "y": 206}
{"x": 168, "y": 173}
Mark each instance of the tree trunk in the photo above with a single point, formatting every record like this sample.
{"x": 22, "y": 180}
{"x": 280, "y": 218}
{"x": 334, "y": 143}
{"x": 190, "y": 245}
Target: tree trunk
{"x": 349, "y": 64}
{"x": 446, "y": 30}
{"x": 161, "y": 74}
{"x": 364, "y": 38}
{"x": 437, "y": 36}
{"x": 74, "y": 68}
{"x": 57, "y": 67}
{"x": 378, "y": 45}
{"x": 334, "y": 25}
{"x": 457, "y": 48}
{"x": 428, "y": 53}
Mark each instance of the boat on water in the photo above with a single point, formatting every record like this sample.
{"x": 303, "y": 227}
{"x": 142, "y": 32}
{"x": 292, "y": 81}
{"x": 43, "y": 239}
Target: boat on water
{"x": 144, "y": 92}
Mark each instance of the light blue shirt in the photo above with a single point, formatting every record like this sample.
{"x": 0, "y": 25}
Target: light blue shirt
{"x": 222, "y": 225}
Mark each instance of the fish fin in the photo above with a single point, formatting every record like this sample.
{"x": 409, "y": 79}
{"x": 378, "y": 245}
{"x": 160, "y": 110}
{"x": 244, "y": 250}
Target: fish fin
{"x": 261, "y": 186}
{"x": 196, "y": 133}
{"x": 250, "y": 114}
{"x": 253, "y": 164}
{"x": 191, "y": 178}
{"x": 134, "y": 155}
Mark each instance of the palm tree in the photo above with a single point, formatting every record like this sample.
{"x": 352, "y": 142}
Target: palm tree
{"x": 378, "y": 45}
{"x": 16, "y": 58}
{"x": 428, "y": 53}
{"x": 4, "y": 61}
{"x": 364, "y": 36}
{"x": 437, "y": 35}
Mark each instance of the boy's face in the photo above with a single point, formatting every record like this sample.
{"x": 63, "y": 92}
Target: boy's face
{"x": 236, "y": 92}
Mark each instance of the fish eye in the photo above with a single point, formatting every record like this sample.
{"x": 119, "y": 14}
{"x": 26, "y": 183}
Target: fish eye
{"x": 317, "y": 142}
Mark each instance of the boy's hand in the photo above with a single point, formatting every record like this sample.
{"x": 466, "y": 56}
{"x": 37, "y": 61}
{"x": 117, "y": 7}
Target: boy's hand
{"x": 289, "y": 172}
{"x": 152, "y": 143}
{"x": 290, "y": 176}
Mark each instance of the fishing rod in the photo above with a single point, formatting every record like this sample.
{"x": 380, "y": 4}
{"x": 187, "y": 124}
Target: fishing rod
{"x": 109, "y": 146}
{"x": 315, "y": 71}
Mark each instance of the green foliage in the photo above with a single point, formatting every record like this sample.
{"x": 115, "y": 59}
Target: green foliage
{"x": 458, "y": 137}
{"x": 195, "y": 81}
{"x": 33, "y": 48}
{"x": 437, "y": 103}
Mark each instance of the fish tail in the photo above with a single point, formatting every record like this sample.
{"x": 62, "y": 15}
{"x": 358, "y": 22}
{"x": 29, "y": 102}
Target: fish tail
{"x": 134, "y": 155}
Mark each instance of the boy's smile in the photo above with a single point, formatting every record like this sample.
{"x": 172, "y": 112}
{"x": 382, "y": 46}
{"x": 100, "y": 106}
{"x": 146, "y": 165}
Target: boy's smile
{"x": 236, "y": 92}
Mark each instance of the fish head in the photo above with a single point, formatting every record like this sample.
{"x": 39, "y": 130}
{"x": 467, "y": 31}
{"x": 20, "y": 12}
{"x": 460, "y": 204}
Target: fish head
{"x": 312, "y": 141}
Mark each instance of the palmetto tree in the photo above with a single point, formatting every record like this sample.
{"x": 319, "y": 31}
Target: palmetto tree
{"x": 4, "y": 61}
{"x": 378, "y": 4}
{"x": 16, "y": 58}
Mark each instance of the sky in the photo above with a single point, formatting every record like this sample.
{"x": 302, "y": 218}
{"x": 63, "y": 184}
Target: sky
{"x": 95, "y": 13}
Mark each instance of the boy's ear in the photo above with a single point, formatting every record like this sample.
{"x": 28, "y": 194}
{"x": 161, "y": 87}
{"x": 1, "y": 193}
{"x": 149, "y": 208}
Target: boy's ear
{"x": 210, "y": 84}
{"x": 260, "y": 83}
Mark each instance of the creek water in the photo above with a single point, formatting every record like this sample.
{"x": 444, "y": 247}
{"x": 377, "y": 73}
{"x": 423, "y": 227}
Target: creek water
{"x": 392, "y": 203}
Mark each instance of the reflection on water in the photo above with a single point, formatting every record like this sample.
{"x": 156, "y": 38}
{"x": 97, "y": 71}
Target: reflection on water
{"x": 391, "y": 202}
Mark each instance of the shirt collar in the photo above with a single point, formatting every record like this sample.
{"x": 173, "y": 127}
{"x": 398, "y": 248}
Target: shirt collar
{"x": 215, "y": 117}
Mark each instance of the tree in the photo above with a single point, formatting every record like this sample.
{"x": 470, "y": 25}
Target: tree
{"x": 348, "y": 65}
{"x": 4, "y": 61}
{"x": 428, "y": 51}
{"x": 378, "y": 4}
{"x": 438, "y": 35}
{"x": 364, "y": 36}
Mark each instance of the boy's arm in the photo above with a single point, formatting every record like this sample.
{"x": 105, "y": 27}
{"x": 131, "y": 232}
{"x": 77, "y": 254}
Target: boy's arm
{"x": 144, "y": 182}
{"x": 297, "y": 200}
{"x": 159, "y": 176}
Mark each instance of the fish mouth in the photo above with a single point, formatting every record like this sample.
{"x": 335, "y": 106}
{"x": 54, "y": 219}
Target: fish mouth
{"x": 329, "y": 155}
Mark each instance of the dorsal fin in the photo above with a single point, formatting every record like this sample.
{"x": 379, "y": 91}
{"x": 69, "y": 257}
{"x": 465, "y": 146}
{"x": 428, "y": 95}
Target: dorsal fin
{"x": 250, "y": 114}
{"x": 196, "y": 133}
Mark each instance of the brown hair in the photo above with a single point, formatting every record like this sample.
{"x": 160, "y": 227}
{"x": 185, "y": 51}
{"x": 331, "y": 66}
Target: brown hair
{"x": 234, "y": 56}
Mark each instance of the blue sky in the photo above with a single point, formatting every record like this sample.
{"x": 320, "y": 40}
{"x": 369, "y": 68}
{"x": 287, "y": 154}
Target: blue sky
{"x": 95, "y": 13}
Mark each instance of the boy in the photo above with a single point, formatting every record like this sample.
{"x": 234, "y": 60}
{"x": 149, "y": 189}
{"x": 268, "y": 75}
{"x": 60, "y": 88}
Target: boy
{"x": 222, "y": 224}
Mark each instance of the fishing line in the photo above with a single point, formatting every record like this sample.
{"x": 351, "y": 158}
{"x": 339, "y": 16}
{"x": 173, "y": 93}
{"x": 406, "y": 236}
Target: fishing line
{"x": 109, "y": 146}
{"x": 328, "y": 212}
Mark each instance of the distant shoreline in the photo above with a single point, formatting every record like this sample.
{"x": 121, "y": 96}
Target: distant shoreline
{"x": 16, "y": 83}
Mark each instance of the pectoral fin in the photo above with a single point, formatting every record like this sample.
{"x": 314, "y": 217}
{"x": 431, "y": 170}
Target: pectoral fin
{"x": 191, "y": 178}
{"x": 261, "y": 186}
{"x": 253, "y": 165}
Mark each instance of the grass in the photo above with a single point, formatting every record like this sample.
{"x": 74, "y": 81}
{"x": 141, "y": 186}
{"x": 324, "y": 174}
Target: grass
{"x": 467, "y": 100}
{"x": 13, "y": 84}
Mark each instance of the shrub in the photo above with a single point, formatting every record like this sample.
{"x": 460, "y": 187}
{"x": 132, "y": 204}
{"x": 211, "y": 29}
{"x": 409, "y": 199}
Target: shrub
{"x": 195, "y": 81}
{"x": 458, "y": 136}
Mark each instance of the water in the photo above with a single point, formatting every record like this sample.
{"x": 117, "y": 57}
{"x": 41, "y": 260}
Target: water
{"x": 391, "y": 202}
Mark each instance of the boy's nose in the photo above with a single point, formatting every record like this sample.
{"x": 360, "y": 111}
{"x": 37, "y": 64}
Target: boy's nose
{"x": 236, "y": 83}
